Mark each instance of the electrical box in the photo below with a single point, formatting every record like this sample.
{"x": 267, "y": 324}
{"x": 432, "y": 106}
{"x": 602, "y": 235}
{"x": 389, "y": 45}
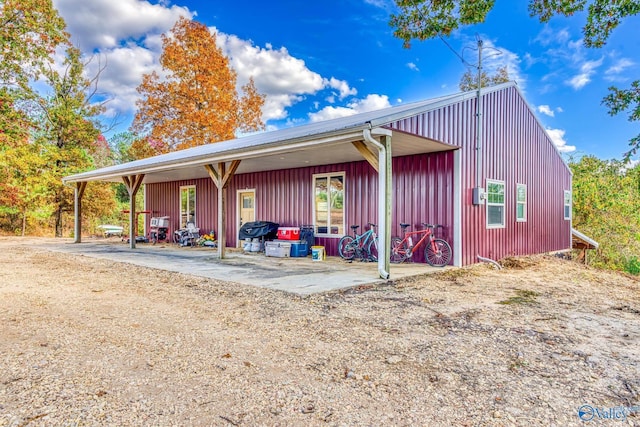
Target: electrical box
{"x": 478, "y": 196}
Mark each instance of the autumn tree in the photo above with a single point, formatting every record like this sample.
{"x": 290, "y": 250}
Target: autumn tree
{"x": 426, "y": 19}
{"x": 606, "y": 207}
{"x": 195, "y": 102}
{"x": 70, "y": 139}
{"x": 30, "y": 31}
{"x": 469, "y": 80}
{"x": 19, "y": 165}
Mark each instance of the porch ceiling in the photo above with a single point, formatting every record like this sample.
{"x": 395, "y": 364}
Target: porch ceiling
{"x": 338, "y": 151}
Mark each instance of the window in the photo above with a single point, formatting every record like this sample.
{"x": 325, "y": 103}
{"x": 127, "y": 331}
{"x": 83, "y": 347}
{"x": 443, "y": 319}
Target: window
{"x": 187, "y": 205}
{"x": 567, "y": 204}
{"x": 328, "y": 209}
{"x": 495, "y": 204}
{"x": 521, "y": 202}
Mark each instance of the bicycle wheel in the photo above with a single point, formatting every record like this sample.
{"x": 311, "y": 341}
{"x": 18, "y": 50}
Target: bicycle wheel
{"x": 399, "y": 250}
{"x": 346, "y": 248}
{"x": 438, "y": 253}
{"x": 372, "y": 250}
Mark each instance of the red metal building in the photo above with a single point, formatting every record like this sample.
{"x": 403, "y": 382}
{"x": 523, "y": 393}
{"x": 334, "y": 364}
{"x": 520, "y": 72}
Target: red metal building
{"x": 503, "y": 191}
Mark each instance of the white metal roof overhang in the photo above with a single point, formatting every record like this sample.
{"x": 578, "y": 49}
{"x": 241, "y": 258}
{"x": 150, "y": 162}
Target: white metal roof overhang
{"x": 261, "y": 152}
{"x": 581, "y": 241}
{"x": 313, "y": 144}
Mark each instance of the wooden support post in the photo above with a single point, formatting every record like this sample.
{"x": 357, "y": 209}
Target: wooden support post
{"x": 221, "y": 178}
{"x": 77, "y": 201}
{"x": 133, "y": 183}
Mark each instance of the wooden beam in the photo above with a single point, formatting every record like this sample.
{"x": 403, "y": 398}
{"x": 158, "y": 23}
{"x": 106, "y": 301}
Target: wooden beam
{"x": 77, "y": 226}
{"x": 133, "y": 183}
{"x": 213, "y": 173}
{"x": 368, "y": 155}
{"x": 221, "y": 176}
{"x": 229, "y": 174}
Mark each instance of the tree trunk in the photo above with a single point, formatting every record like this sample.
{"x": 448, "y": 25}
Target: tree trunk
{"x": 58, "y": 222}
{"x": 24, "y": 222}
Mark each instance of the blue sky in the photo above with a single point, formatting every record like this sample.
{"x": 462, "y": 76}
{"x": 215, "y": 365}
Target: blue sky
{"x": 317, "y": 60}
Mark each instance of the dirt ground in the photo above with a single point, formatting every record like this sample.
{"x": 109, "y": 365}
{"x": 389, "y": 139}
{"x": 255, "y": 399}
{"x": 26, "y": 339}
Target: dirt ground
{"x": 92, "y": 343}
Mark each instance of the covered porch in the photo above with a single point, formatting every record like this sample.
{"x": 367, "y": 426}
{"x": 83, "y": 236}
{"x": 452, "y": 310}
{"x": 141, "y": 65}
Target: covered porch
{"x": 340, "y": 140}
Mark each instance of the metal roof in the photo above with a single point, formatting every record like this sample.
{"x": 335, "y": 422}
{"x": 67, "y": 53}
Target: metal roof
{"x": 583, "y": 240}
{"x": 275, "y": 149}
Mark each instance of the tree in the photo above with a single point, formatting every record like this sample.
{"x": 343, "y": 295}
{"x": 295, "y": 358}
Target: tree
{"x": 196, "y": 102}
{"x": 469, "y": 80}
{"x": 70, "y": 138}
{"x": 426, "y": 19}
{"x": 30, "y": 31}
{"x": 20, "y": 166}
{"x": 606, "y": 207}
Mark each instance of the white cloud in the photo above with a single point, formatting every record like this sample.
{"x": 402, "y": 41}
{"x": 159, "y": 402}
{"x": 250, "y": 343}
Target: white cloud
{"x": 579, "y": 81}
{"x": 342, "y": 87}
{"x": 412, "y": 66}
{"x": 122, "y": 74}
{"x": 557, "y": 136}
{"x": 97, "y": 24}
{"x": 587, "y": 69}
{"x": 382, "y": 4}
{"x": 126, "y": 36}
{"x": 495, "y": 57}
{"x": 619, "y": 66}
{"x": 283, "y": 78}
{"x": 559, "y": 110}
{"x": 545, "y": 109}
{"x": 614, "y": 72}
{"x": 549, "y": 36}
{"x": 370, "y": 103}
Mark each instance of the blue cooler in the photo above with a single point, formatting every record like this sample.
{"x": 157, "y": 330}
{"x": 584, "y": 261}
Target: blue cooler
{"x": 299, "y": 249}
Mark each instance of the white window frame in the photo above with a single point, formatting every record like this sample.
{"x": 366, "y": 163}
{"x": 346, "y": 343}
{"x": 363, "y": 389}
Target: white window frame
{"x": 195, "y": 204}
{"x": 567, "y": 206}
{"x": 328, "y": 175}
{"x": 490, "y": 204}
{"x": 521, "y": 202}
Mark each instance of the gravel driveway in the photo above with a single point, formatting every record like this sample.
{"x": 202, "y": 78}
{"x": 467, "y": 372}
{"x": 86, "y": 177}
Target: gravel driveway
{"x": 88, "y": 342}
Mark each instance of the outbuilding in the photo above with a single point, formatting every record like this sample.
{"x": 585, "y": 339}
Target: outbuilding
{"x": 486, "y": 170}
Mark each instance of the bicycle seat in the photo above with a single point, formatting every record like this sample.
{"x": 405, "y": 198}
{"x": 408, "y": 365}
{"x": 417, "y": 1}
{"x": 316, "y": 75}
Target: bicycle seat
{"x": 355, "y": 227}
{"x": 403, "y": 225}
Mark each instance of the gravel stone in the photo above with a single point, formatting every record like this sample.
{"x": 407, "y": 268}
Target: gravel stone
{"x": 96, "y": 343}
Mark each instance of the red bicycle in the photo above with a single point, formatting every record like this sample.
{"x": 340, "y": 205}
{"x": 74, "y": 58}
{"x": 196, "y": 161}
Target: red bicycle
{"x": 437, "y": 252}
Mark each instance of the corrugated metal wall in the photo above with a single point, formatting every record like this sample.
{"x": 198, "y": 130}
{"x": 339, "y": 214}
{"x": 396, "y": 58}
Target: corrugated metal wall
{"x": 516, "y": 150}
{"x": 422, "y": 184}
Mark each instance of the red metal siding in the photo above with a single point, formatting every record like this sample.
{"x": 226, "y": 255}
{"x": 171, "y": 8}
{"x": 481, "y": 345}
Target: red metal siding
{"x": 516, "y": 150}
{"x": 422, "y": 190}
{"x": 164, "y": 200}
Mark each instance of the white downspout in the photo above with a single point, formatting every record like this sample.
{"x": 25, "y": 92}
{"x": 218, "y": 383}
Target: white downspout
{"x": 382, "y": 217}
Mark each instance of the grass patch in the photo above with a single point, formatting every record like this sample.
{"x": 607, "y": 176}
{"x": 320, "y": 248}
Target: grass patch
{"x": 522, "y": 296}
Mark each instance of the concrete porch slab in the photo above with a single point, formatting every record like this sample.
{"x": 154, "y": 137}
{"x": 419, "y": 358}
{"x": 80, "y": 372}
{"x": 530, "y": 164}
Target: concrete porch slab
{"x": 300, "y": 276}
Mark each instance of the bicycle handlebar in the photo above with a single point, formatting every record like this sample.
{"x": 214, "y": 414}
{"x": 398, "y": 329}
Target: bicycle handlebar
{"x": 432, "y": 225}
{"x": 427, "y": 225}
